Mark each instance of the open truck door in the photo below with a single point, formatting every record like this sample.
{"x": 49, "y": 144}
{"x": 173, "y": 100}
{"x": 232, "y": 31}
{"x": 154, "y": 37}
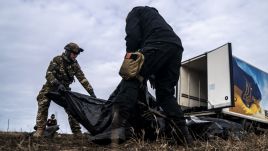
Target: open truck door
{"x": 206, "y": 80}
{"x": 220, "y": 77}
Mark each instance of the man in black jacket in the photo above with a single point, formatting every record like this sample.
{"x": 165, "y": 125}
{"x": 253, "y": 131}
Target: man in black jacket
{"x": 148, "y": 33}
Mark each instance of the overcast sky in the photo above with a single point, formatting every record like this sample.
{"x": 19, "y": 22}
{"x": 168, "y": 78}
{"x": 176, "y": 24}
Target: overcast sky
{"x": 32, "y": 32}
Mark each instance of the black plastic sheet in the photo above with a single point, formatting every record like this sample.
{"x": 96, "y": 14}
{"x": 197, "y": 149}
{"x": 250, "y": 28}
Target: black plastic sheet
{"x": 96, "y": 116}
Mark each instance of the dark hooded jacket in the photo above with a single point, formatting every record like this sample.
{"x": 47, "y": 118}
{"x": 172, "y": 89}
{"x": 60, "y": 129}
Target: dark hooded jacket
{"x": 145, "y": 25}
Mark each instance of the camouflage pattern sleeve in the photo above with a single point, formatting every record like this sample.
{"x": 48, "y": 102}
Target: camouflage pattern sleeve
{"x": 51, "y": 70}
{"x": 82, "y": 79}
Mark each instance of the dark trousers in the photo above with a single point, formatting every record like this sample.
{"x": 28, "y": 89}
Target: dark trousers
{"x": 162, "y": 60}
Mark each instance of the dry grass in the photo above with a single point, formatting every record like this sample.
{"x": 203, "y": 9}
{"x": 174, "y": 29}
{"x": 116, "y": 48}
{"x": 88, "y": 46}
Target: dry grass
{"x": 22, "y": 141}
{"x": 249, "y": 142}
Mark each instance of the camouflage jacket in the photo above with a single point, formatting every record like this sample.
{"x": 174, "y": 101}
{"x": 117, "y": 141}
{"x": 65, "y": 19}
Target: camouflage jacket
{"x": 63, "y": 70}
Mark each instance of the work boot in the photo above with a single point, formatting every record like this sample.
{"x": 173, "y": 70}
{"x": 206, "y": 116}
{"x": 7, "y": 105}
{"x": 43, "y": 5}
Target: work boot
{"x": 118, "y": 129}
{"x": 118, "y": 135}
{"x": 186, "y": 137}
{"x": 39, "y": 133}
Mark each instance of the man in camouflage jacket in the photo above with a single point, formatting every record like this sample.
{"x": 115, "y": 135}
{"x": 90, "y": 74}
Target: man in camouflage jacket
{"x": 60, "y": 74}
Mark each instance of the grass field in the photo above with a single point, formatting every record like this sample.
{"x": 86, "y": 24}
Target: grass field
{"x": 65, "y": 142}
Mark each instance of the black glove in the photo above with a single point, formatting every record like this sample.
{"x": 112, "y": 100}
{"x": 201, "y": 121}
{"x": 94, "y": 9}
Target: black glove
{"x": 92, "y": 94}
{"x": 152, "y": 81}
{"x": 55, "y": 82}
{"x": 61, "y": 88}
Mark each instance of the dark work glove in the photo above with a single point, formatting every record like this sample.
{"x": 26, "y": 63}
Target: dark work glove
{"x": 91, "y": 92}
{"x": 152, "y": 81}
{"x": 55, "y": 82}
{"x": 61, "y": 88}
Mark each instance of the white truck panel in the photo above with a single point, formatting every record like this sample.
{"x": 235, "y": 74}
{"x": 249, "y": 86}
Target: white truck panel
{"x": 218, "y": 72}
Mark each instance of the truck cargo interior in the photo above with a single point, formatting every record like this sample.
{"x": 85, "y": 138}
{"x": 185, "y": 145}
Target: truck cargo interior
{"x": 193, "y": 84}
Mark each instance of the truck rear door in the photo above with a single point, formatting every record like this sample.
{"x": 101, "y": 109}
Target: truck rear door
{"x": 219, "y": 76}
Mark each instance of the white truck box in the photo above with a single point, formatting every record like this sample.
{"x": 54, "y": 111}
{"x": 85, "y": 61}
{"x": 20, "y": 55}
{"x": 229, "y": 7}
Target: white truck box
{"x": 219, "y": 81}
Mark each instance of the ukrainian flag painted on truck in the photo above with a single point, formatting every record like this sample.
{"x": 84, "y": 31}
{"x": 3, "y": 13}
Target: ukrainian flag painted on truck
{"x": 250, "y": 89}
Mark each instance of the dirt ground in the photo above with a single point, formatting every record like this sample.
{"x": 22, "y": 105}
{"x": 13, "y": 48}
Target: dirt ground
{"x": 11, "y": 141}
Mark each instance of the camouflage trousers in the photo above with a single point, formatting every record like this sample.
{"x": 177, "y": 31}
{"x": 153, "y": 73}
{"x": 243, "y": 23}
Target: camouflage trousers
{"x": 42, "y": 112}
